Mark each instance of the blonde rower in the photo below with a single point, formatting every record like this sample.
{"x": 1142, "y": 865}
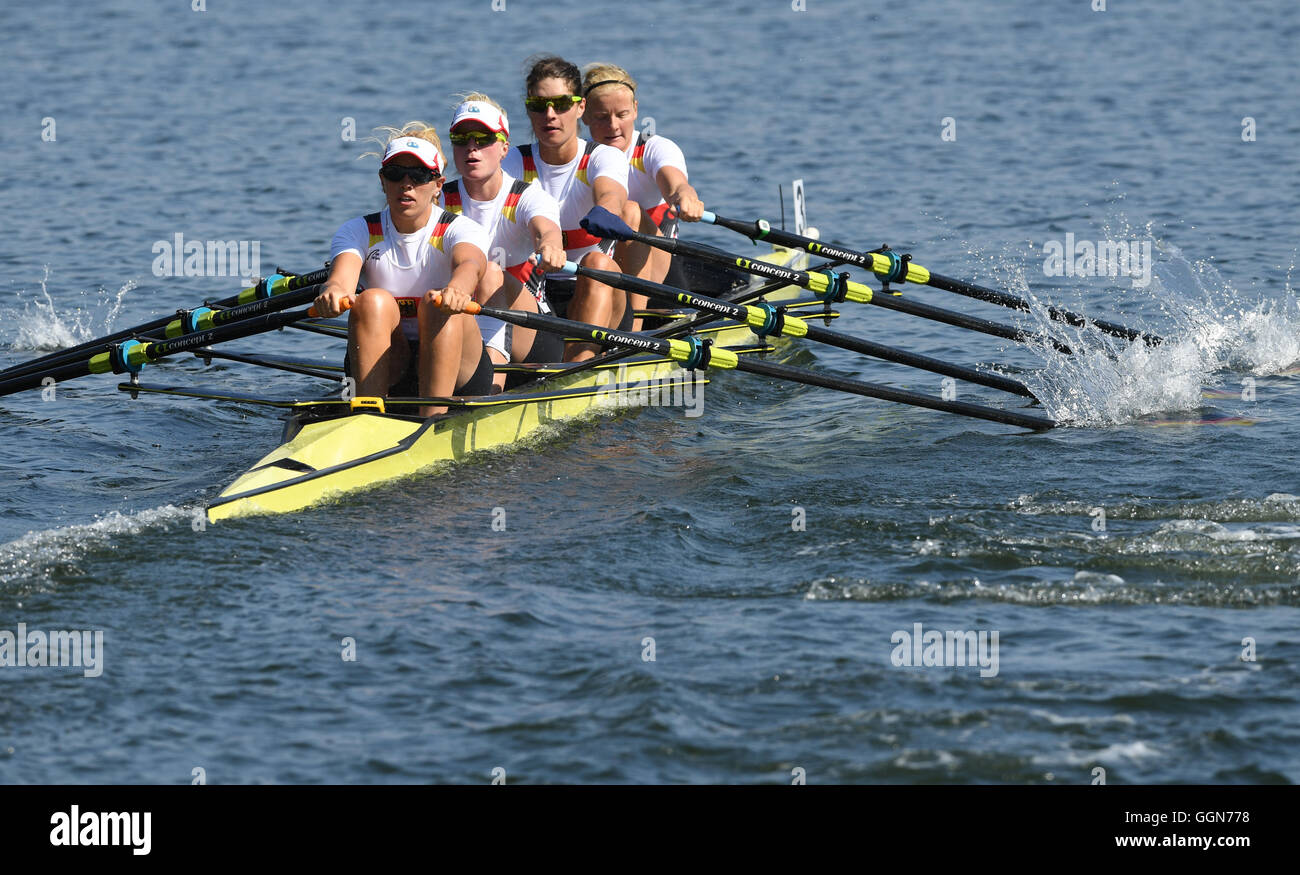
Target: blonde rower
{"x": 405, "y": 256}
{"x": 657, "y": 178}
{"x": 579, "y": 175}
{"x": 520, "y": 219}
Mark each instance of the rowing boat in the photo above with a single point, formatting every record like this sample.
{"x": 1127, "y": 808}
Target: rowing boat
{"x": 336, "y": 446}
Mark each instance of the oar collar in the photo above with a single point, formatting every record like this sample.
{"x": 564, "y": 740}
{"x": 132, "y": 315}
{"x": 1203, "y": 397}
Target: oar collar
{"x": 120, "y": 357}
{"x": 897, "y": 272}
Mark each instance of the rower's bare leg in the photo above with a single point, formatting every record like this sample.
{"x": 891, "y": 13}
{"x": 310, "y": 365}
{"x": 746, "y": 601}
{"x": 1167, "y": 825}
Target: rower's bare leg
{"x": 596, "y": 304}
{"x": 501, "y": 290}
{"x": 490, "y": 293}
{"x": 660, "y": 261}
{"x": 376, "y": 345}
{"x": 636, "y": 259}
{"x": 450, "y": 346}
{"x": 498, "y": 377}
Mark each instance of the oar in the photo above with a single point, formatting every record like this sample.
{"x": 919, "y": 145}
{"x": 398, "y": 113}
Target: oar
{"x": 684, "y": 324}
{"x": 183, "y": 322}
{"x": 838, "y": 287}
{"x": 131, "y": 355}
{"x": 694, "y": 354}
{"x": 766, "y": 320}
{"x": 892, "y": 267}
{"x": 763, "y": 318}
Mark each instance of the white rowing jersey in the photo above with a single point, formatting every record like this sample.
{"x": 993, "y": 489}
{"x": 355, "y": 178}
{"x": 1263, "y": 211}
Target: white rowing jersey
{"x": 570, "y": 185}
{"x": 645, "y": 158}
{"x": 407, "y": 265}
{"x": 507, "y": 218}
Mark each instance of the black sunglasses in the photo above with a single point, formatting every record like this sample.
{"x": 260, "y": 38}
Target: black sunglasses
{"x": 397, "y": 172}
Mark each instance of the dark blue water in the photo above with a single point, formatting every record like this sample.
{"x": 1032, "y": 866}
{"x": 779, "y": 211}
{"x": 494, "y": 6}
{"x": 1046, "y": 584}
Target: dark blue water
{"x": 1118, "y": 647}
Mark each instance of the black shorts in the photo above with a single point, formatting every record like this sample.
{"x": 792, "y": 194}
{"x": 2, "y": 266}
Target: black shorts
{"x": 547, "y": 349}
{"x": 560, "y": 290}
{"x": 408, "y": 385}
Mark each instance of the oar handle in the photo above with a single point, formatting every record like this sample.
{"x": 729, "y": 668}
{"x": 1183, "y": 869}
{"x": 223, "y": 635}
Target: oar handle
{"x": 472, "y": 308}
{"x": 344, "y": 306}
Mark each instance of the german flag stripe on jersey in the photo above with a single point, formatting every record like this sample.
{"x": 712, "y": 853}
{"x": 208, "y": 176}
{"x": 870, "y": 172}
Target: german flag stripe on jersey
{"x": 451, "y": 197}
{"x": 375, "y": 225}
{"x": 582, "y": 165}
{"x": 510, "y": 207}
{"x": 440, "y": 229}
{"x": 530, "y": 166}
{"x": 638, "y": 155}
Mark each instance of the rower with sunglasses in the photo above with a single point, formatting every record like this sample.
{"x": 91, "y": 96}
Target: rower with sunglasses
{"x": 520, "y": 219}
{"x": 657, "y": 184}
{"x": 405, "y": 257}
{"x": 579, "y": 175}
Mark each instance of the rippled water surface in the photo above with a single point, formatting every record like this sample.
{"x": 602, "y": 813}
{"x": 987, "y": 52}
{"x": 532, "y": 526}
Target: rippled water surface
{"x": 769, "y": 554}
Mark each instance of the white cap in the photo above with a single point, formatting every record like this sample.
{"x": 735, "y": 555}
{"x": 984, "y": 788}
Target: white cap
{"x": 482, "y": 112}
{"x": 422, "y": 149}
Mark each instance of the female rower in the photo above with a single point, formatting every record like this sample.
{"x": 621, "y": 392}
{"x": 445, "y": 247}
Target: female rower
{"x": 404, "y": 257}
{"x": 657, "y": 179}
{"x": 520, "y": 218}
{"x": 579, "y": 175}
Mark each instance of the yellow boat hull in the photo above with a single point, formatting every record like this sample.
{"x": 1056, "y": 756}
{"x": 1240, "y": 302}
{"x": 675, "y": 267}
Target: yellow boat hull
{"x": 354, "y": 450}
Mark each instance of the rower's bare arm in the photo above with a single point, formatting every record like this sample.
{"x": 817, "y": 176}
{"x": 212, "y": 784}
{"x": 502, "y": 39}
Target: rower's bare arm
{"x": 548, "y": 243}
{"x": 609, "y": 194}
{"x": 345, "y": 273}
{"x": 680, "y": 193}
{"x": 467, "y": 266}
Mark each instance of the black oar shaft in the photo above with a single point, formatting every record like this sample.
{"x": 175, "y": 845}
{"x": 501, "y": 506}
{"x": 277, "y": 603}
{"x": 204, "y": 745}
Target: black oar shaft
{"x": 248, "y": 296}
{"x": 762, "y": 230}
{"x": 971, "y": 323}
{"x": 217, "y": 318}
{"x": 888, "y": 302}
{"x": 263, "y": 362}
{"x": 677, "y": 350}
{"x": 110, "y": 360}
{"x": 812, "y": 332}
{"x": 983, "y": 293}
{"x": 899, "y": 396}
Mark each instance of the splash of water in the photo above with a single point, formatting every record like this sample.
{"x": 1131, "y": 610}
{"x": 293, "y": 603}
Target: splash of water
{"x": 39, "y": 558}
{"x": 41, "y": 327}
{"x": 1208, "y": 327}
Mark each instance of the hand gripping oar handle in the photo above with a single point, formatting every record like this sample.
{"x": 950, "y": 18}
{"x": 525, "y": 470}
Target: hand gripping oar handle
{"x": 892, "y": 268}
{"x": 344, "y": 306}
